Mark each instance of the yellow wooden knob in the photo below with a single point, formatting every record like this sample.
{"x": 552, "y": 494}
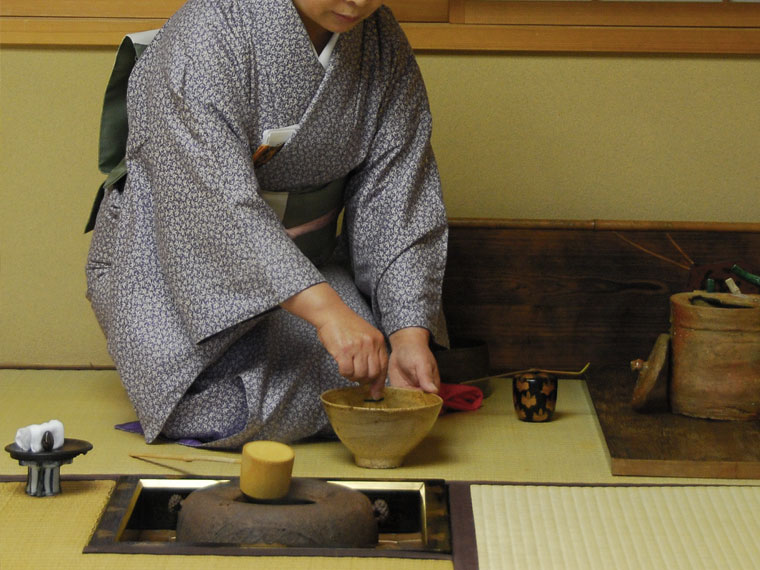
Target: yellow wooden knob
{"x": 265, "y": 469}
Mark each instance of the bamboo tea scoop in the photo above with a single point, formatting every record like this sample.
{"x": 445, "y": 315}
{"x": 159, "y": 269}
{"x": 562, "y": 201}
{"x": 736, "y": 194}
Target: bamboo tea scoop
{"x": 185, "y": 458}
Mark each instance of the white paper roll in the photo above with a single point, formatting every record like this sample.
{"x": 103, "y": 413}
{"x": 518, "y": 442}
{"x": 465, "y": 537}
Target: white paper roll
{"x": 24, "y": 438}
{"x": 29, "y": 438}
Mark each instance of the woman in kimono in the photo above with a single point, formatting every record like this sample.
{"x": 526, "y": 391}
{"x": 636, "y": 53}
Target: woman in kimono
{"x": 214, "y": 270}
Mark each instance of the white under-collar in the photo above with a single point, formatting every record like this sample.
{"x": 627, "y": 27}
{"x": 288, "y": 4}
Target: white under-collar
{"x": 324, "y": 57}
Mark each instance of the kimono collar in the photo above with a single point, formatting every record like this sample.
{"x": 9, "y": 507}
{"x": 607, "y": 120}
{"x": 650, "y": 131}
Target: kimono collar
{"x": 324, "y": 57}
{"x": 279, "y": 30}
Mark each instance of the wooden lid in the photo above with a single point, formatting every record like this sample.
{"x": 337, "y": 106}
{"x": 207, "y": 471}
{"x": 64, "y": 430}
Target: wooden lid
{"x": 651, "y": 390}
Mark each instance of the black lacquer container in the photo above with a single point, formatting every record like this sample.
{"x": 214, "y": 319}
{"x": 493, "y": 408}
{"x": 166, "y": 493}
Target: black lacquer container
{"x": 535, "y": 396}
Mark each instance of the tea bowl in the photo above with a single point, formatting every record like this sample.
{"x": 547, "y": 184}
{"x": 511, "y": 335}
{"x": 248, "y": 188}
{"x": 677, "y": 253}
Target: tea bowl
{"x": 381, "y": 433}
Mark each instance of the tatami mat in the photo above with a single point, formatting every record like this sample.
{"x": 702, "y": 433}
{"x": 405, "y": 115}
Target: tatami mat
{"x": 489, "y": 444}
{"x": 625, "y": 528}
{"x": 551, "y": 525}
{"x": 51, "y": 532}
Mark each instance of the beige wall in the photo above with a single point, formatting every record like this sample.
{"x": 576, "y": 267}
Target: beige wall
{"x": 516, "y": 136}
{"x": 580, "y": 137}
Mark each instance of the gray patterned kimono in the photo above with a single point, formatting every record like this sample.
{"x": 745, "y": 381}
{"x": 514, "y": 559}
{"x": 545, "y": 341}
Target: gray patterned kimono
{"x": 188, "y": 263}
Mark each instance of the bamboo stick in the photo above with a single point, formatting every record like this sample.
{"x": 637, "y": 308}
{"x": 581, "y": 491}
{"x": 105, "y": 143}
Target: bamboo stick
{"x": 186, "y": 458}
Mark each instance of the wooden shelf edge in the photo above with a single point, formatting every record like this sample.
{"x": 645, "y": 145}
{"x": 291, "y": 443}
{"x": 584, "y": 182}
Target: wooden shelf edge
{"x": 686, "y": 468}
{"x": 71, "y": 32}
{"x": 424, "y": 37}
{"x": 605, "y": 225}
{"x": 586, "y": 39}
{"x": 404, "y": 10}
{"x": 628, "y": 13}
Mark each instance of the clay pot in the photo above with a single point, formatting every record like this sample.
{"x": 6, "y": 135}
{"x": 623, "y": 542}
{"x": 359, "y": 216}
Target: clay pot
{"x": 715, "y": 340}
{"x": 380, "y": 434}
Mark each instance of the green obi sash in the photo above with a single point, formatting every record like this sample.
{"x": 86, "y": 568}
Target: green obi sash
{"x": 113, "y": 119}
{"x": 309, "y": 215}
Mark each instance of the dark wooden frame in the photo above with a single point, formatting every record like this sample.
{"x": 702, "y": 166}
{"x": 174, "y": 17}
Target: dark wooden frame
{"x": 594, "y": 26}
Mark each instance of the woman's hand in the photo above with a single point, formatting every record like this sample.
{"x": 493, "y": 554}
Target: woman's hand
{"x": 357, "y": 347}
{"x": 412, "y": 364}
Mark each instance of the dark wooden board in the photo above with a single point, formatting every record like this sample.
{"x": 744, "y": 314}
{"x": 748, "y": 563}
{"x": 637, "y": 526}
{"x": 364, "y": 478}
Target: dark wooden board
{"x": 663, "y": 444}
{"x": 558, "y": 298}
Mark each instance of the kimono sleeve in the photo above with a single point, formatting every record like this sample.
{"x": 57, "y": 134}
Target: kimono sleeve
{"x": 224, "y": 255}
{"x": 395, "y": 218}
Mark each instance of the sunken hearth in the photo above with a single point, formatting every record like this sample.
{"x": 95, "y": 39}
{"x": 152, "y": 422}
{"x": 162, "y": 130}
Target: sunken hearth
{"x": 141, "y": 517}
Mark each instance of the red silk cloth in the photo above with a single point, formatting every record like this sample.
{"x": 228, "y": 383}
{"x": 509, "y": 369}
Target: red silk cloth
{"x": 460, "y": 397}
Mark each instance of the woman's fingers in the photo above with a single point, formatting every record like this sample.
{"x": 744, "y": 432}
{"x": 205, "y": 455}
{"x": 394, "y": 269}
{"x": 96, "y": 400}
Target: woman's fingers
{"x": 429, "y": 379}
{"x": 357, "y": 347}
{"x": 412, "y": 364}
{"x": 377, "y": 388}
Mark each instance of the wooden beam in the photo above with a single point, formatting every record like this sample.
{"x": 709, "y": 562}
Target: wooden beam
{"x": 653, "y": 14}
{"x": 419, "y": 10}
{"x": 431, "y": 37}
{"x": 588, "y": 39}
{"x": 404, "y": 10}
{"x": 725, "y": 28}
{"x": 129, "y": 9}
{"x": 88, "y": 32}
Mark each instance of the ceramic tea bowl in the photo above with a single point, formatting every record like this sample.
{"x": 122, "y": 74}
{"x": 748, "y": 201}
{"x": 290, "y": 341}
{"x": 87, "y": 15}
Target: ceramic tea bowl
{"x": 380, "y": 434}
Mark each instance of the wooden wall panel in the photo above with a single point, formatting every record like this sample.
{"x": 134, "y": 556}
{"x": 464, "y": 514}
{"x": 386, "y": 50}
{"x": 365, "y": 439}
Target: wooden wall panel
{"x": 562, "y": 297}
